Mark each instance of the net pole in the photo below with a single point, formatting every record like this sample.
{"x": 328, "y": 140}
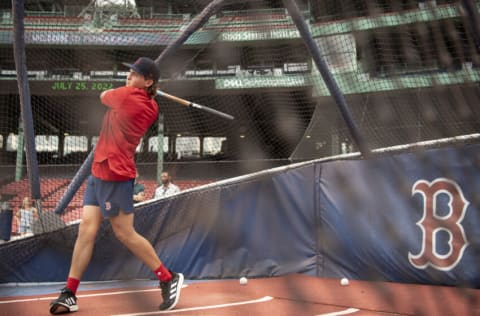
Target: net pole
{"x": 25, "y": 100}
{"x": 84, "y": 170}
{"x": 160, "y": 141}
{"x": 327, "y": 75}
{"x": 76, "y": 183}
{"x": 473, "y": 15}
{"x": 19, "y": 160}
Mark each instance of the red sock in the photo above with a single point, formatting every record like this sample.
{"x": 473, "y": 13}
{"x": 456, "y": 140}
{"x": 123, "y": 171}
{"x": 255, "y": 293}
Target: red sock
{"x": 72, "y": 284}
{"x": 163, "y": 274}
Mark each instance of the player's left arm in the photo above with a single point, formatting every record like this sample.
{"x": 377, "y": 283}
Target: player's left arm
{"x": 114, "y": 98}
{"x": 107, "y": 97}
{"x": 102, "y": 95}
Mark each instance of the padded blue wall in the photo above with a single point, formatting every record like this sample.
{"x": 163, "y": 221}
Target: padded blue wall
{"x": 356, "y": 218}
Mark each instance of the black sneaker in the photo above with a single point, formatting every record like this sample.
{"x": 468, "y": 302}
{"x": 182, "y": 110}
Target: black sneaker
{"x": 65, "y": 303}
{"x": 171, "y": 291}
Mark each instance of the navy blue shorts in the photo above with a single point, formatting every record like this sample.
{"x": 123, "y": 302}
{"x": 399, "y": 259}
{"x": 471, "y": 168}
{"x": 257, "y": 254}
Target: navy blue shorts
{"x": 110, "y": 196}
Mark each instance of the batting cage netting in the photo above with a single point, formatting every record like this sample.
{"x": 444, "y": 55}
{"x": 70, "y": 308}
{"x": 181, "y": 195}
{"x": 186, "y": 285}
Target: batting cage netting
{"x": 368, "y": 109}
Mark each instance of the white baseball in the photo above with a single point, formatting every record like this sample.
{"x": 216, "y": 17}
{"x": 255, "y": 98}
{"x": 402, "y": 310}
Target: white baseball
{"x": 344, "y": 281}
{"x": 243, "y": 280}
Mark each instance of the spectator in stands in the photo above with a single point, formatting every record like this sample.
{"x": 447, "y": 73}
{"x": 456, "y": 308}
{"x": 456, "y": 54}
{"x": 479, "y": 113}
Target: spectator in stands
{"x": 138, "y": 191}
{"x": 167, "y": 188}
{"x": 25, "y": 216}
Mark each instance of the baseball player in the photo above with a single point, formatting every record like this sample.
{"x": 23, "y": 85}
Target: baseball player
{"x": 131, "y": 111}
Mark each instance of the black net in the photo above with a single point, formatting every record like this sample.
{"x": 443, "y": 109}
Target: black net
{"x": 406, "y": 68}
{"x": 75, "y": 52}
{"x": 408, "y": 71}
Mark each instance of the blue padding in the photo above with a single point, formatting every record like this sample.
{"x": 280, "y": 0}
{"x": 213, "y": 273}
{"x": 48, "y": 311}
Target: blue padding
{"x": 357, "y": 219}
{"x": 369, "y": 216}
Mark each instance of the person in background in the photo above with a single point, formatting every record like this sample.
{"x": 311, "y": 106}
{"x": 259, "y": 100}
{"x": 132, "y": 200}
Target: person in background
{"x": 167, "y": 188}
{"x": 138, "y": 190}
{"x": 25, "y": 216}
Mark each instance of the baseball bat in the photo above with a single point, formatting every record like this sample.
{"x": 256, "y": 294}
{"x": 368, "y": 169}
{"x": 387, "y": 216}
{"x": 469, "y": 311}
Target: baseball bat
{"x": 194, "y": 105}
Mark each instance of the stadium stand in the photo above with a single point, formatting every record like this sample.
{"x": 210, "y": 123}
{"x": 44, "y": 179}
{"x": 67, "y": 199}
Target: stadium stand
{"x": 52, "y": 190}
{"x": 39, "y": 21}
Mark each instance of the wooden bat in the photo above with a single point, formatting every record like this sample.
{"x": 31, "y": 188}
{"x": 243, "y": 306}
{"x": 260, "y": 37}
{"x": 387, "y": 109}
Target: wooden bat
{"x": 194, "y": 105}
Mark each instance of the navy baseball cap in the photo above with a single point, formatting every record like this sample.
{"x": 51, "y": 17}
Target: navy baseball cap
{"x": 146, "y": 67}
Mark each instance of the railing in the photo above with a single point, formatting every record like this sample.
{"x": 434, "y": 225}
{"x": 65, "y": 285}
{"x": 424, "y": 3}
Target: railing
{"x": 45, "y": 13}
{"x": 256, "y": 12}
{"x": 252, "y": 16}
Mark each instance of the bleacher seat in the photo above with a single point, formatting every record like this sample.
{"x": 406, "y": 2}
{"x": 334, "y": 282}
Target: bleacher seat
{"x": 146, "y": 22}
{"x": 59, "y": 21}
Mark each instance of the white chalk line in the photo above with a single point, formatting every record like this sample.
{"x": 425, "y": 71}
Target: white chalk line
{"x": 339, "y": 313}
{"x": 80, "y": 296}
{"x": 189, "y": 309}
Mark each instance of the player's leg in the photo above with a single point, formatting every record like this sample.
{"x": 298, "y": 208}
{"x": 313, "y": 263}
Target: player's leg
{"x": 83, "y": 249}
{"x": 82, "y": 252}
{"x": 170, "y": 282}
{"x": 122, "y": 226}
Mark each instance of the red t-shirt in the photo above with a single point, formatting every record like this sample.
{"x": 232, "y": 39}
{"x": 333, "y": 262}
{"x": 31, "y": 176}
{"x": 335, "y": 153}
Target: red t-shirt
{"x": 131, "y": 112}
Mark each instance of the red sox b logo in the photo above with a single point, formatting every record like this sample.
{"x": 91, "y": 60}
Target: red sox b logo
{"x": 432, "y": 223}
